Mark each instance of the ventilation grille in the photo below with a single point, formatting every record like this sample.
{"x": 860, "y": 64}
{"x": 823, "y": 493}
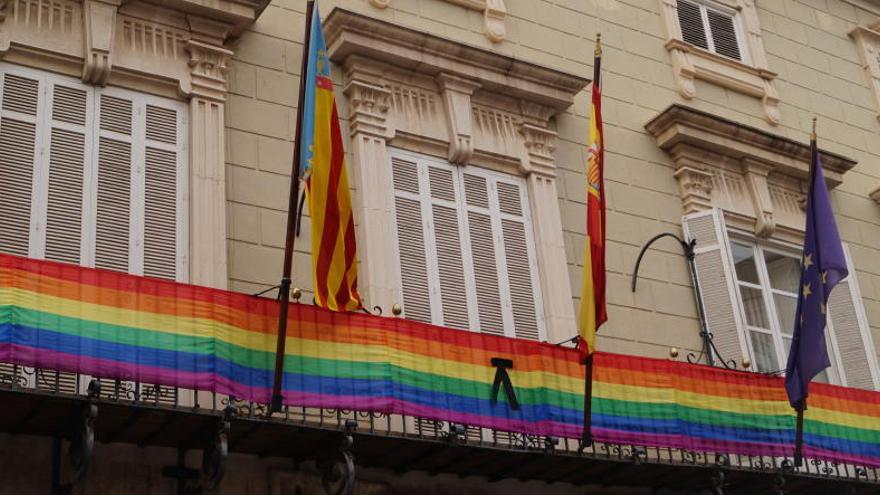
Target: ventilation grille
{"x": 16, "y": 169}
{"x": 64, "y": 211}
{"x": 160, "y": 214}
{"x": 114, "y": 198}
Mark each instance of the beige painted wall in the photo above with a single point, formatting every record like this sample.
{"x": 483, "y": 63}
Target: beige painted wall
{"x": 806, "y": 43}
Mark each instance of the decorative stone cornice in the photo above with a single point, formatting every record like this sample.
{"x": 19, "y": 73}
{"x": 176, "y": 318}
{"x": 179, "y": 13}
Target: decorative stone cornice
{"x": 755, "y": 176}
{"x": 99, "y": 23}
{"x": 238, "y": 14}
{"x": 732, "y": 140}
{"x": 457, "y": 92}
{"x": 494, "y": 13}
{"x": 349, "y": 33}
{"x": 208, "y": 69}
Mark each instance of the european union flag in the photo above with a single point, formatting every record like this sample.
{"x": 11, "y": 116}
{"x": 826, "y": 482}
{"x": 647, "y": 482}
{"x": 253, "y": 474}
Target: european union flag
{"x": 823, "y": 265}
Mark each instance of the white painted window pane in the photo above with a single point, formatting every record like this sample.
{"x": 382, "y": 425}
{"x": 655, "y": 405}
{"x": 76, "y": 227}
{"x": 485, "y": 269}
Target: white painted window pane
{"x": 786, "y": 307}
{"x": 765, "y": 351}
{"x": 753, "y": 303}
{"x": 744, "y": 261}
{"x": 784, "y": 271}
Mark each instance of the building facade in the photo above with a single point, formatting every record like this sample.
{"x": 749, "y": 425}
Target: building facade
{"x": 155, "y": 138}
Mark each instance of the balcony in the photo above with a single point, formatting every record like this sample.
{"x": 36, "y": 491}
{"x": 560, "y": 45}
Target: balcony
{"x": 88, "y": 354}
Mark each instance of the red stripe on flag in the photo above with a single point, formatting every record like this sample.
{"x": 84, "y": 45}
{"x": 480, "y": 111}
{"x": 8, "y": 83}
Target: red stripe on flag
{"x": 331, "y": 212}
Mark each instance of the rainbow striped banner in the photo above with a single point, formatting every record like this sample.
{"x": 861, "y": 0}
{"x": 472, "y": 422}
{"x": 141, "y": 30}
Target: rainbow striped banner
{"x": 119, "y": 326}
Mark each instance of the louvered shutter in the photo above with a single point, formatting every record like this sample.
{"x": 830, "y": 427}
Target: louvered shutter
{"x": 160, "y": 192}
{"x": 717, "y": 282}
{"x": 723, "y": 34}
{"x": 853, "y": 336}
{"x": 518, "y": 254}
{"x": 482, "y": 244}
{"x": 18, "y": 152}
{"x": 690, "y": 18}
{"x": 68, "y": 138}
{"x": 113, "y": 217}
{"x": 448, "y": 249}
{"x": 411, "y": 240}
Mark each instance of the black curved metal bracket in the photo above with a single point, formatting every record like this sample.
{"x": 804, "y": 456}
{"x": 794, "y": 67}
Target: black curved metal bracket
{"x": 215, "y": 455}
{"x": 336, "y": 463}
{"x": 82, "y": 444}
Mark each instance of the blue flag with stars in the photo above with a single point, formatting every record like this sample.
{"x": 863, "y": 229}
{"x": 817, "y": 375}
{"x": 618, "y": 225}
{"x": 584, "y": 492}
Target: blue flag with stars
{"x": 823, "y": 265}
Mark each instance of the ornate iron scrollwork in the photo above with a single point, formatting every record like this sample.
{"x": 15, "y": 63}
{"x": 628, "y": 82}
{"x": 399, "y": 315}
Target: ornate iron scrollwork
{"x": 717, "y": 482}
{"x": 336, "y": 463}
{"x": 82, "y": 441}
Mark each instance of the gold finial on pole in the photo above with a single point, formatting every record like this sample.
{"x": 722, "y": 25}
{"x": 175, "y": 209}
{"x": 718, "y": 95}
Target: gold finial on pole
{"x": 813, "y": 135}
{"x": 598, "y": 44}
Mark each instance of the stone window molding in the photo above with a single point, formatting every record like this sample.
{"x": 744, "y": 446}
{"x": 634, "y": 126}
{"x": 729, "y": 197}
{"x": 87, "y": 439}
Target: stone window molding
{"x": 494, "y": 14}
{"x": 173, "y": 49}
{"x": 751, "y": 76}
{"x": 868, "y": 40}
{"x": 415, "y": 91}
{"x": 757, "y": 178}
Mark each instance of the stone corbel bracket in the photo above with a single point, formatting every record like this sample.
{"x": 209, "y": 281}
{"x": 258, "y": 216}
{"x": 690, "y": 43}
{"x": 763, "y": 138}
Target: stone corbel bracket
{"x": 875, "y": 195}
{"x": 689, "y": 62}
{"x": 756, "y": 174}
{"x": 457, "y": 92}
{"x": 494, "y": 14}
{"x": 99, "y": 22}
{"x": 868, "y": 40}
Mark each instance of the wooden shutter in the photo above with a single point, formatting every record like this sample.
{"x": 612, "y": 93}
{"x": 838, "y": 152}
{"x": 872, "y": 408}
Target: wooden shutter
{"x": 691, "y": 20}
{"x": 112, "y": 223}
{"x": 411, "y": 240}
{"x": 68, "y": 141}
{"x": 717, "y": 281}
{"x": 522, "y": 280}
{"x": 852, "y": 333}
{"x": 160, "y": 192}
{"x": 18, "y": 152}
{"x": 723, "y": 34}
{"x": 448, "y": 248}
{"x": 490, "y": 311}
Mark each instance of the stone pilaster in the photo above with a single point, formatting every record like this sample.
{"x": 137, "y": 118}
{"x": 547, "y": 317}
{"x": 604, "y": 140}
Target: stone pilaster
{"x": 207, "y": 227}
{"x": 368, "y": 105}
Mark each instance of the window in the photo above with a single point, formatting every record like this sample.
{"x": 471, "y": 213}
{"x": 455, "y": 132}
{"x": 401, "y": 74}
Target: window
{"x": 465, "y": 248}
{"x": 712, "y": 28}
{"x": 93, "y": 176}
{"x": 768, "y": 282}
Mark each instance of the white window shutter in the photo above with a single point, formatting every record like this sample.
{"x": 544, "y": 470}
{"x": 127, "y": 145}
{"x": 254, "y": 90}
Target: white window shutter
{"x": 18, "y": 153}
{"x": 68, "y": 138}
{"x": 717, "y": 281}
{"x": 482, "y": 243}
{"x": 691, "y": 21}
{"x": 519, "y": 257}
{"x": 411, "y": 241}
{"x": 160, "y": 193}
{"x": 115, "y": 154}
{"x": 448, "y": 249}
{"x": 723, "y": 34}
{"x": 855, "y": 345}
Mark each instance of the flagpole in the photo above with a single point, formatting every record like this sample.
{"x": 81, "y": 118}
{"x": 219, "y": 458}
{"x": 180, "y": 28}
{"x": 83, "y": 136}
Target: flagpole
{"x": 802, "y": 405}
{"x": 587, "y": 435}
{"x": 287, "y": 271}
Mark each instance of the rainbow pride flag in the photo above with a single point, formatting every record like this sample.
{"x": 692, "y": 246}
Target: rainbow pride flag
{"x": 118, "y": 326}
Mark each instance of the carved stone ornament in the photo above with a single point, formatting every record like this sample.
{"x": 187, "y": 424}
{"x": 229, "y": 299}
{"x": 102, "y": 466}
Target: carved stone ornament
{"x": 369, "y": 105}
{"x": 868, "y": 40}
{"x": 99, "y": 21}
{"x": 208, "y": 68}
{"x": 494, "y": 14}
{"x": 457, "y": 93}
{"x": 756, "y": 177}
{"x": 752, "y": 76}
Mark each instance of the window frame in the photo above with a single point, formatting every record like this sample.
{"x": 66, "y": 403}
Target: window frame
{"x": 44, "y": 123}
{"x": 462, "y": 208}
{"x": 736, "y": 18}
{"x": 791, "y": 250}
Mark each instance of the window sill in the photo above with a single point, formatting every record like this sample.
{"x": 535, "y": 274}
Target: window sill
{"x": 690, "y": 62}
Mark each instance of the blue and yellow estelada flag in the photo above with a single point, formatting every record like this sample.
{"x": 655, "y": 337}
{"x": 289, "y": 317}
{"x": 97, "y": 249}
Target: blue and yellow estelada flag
{"x": 322, "y": 158}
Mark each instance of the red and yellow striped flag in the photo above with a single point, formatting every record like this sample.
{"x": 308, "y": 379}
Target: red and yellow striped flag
{"x": 334, "y": 250}
{"x": 592, "y": 309}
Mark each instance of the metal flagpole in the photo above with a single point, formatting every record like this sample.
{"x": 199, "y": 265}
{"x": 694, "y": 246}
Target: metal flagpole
{"x": 284, "y": 291}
